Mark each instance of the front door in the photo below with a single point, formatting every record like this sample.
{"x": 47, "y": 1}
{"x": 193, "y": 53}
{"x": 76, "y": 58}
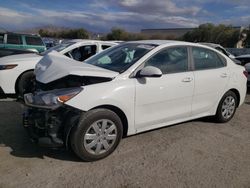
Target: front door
{"x": 167, "y": 98}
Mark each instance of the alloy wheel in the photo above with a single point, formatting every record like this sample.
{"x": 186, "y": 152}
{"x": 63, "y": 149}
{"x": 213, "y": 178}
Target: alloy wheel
{"x": 100, "y": 137}
{"x": 228, "y": 107}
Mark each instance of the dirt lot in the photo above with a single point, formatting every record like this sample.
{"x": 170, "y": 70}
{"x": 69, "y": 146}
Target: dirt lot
{"x": 192, "y": 154}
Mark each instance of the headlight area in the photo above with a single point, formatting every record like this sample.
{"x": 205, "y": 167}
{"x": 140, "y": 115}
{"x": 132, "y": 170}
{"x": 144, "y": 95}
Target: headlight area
{"x": 47, "y": 119}
{"x": 7, "y": 67}
{"x": 51, "y": 99}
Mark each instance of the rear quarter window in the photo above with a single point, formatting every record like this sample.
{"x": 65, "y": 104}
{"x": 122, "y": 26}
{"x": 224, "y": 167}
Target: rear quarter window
{"x": 37, "y": 41}
{"x": 14, "y": 39}
{"x": 104, "y": 47}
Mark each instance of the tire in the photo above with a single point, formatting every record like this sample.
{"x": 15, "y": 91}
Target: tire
{"x": 25, "y": 83}
{"x": 226, "y": 109}
{"x": 96, "y": 129}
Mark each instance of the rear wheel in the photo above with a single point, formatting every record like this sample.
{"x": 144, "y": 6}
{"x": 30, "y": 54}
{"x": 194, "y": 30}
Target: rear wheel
{"x": 97, "y": 134}
{"x": 25, "y": 83}
{"x": 227, "y": 107}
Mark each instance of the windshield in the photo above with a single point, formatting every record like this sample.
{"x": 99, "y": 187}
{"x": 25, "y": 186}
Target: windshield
{"x": 121, "y": 57}
{"x": 58, "y": 48}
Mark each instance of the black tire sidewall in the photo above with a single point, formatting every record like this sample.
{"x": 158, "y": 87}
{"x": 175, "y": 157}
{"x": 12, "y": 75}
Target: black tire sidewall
{"x": 219, "y": 117}
{"x": 85, "y": 121}
{"x": 25, "y": 81}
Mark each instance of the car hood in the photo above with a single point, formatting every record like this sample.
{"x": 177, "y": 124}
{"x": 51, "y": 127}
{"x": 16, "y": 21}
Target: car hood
{"x": 54, "y": 66}
{"x": 247, "y": 66}
{"x": 20, "y": 58}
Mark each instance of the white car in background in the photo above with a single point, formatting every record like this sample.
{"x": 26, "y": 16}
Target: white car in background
{"x": 16, "y": 71}
{"x": 130, "y": 88}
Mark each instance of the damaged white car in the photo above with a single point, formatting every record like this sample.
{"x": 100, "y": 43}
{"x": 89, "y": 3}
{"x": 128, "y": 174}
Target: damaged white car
{"x": 130, "y": 88}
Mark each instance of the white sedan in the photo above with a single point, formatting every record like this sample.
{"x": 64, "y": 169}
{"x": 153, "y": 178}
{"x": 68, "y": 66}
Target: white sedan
{"x": 130, "y": 88}
{"x": 16, "y": 71}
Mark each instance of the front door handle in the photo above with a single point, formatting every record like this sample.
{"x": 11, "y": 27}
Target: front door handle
{"x": 223, "y": 75}
{"x": 188, "y": 79}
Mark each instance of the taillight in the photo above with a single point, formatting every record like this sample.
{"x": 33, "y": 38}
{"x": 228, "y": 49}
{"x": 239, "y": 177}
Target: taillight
{"x": 245, "y": 73}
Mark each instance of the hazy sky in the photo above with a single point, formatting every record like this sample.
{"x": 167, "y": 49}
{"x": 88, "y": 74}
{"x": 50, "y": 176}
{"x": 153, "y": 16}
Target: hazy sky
{"x": 133, "y": 15}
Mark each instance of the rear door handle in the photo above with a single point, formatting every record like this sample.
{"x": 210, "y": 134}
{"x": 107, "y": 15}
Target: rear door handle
{"x": 188, "y": 79}
{"x": 223, "y": 75}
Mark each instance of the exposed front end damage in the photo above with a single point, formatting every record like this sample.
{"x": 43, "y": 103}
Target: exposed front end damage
{"x": 48, "y": 119}
{"x": 50, "y": 128}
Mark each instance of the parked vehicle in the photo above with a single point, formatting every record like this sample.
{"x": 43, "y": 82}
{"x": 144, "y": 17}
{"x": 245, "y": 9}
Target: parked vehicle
{"x": 6, "y": 52}
{"x": 16, "y": 71}
{"x": 244, "y": 59}
{"x": 220, "y": 48}
{"x": 22, "y": 41}
{"x": 130, "y": 88}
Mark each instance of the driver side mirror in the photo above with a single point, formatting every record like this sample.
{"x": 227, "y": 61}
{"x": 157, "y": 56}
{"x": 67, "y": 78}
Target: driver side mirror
{"x": 149, "y": 71}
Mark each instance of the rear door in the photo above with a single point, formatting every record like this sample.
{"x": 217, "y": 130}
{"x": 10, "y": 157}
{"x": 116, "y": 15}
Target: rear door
{"x": 211, "y": 76}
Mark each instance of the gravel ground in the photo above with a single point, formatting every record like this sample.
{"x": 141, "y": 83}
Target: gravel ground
{"x": 193, "y": 154}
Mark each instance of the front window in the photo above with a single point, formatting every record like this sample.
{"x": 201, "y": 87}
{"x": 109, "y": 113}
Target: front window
{"x": 170, "y": 60}
{"x": 82, "y": 53}
{"x": 121, "y": 57}
{"x": 58, "y": 48}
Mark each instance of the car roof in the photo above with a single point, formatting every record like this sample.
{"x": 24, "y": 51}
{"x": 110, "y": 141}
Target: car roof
{"x": 22, "y": 34}
{"x": 89, "y": 40}
{"x": 163, "y": 42}
{"x": 213, "y": 45}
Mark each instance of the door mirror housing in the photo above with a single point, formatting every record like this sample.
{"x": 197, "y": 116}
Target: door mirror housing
{"x": 149, "y": 71}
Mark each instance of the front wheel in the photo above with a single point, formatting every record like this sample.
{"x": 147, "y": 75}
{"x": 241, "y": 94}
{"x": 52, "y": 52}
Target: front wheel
{"x": 227, "y": 107}
{"x": 97, "y": 134}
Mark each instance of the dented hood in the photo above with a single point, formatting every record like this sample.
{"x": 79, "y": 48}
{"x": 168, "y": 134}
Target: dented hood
{"x": 54, "y": 66}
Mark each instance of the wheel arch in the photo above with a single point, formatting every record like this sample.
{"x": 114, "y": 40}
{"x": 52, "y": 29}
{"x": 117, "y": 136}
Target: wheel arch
{"x": 121, "y": 115}
{"x": 18, "y": 79}
{"x": 237, "y": 93}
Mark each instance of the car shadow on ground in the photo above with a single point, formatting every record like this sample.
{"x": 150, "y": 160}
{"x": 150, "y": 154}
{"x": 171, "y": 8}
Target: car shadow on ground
{"x": 14, "y": 137}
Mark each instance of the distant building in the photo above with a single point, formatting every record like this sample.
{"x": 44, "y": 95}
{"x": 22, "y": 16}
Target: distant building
{"x": 171, "y": 32}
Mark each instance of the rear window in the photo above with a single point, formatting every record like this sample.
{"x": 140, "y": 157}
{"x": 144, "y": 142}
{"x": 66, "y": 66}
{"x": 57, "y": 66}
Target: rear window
{"x": 14, "y": 39}
{"x": 206, "y": 59}
{"x": 34, "y": 41}
{"x": 1, "y": 38}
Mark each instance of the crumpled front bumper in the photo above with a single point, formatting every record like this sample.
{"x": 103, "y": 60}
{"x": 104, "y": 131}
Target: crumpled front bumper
{"x": 49, "y": 128}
